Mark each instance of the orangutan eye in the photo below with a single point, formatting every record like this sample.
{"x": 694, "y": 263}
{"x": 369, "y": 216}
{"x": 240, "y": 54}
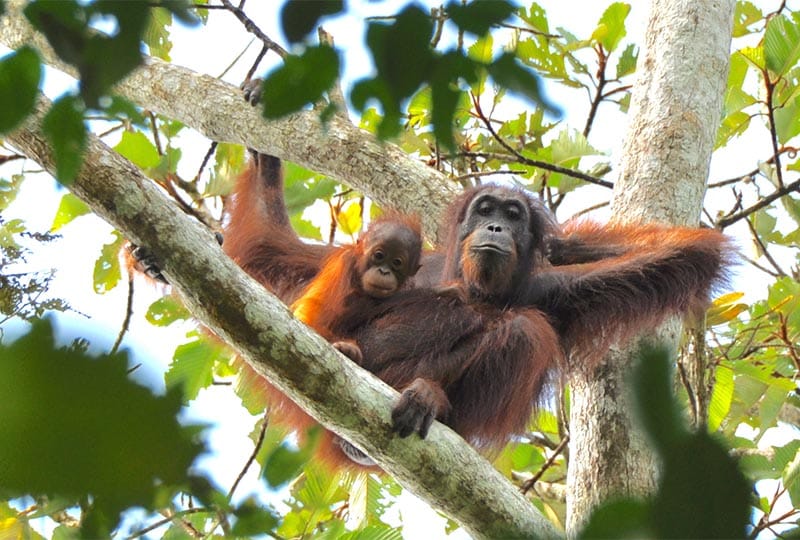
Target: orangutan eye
{"x": 378, "y": 255}
{"x": 397, "y": 264}
{"x": 514, "y": 212}
{"x": 484, "y": 208}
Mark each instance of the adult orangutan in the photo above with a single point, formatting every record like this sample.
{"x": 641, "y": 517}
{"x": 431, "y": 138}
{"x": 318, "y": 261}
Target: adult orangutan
{"x": 529, "y": 294}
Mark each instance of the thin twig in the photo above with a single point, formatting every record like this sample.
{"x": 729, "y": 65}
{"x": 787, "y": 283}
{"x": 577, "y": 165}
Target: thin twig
{"x": 251, "y": 27}
{"x": 533, "y": 479}
{"x": 252, "y": 458}
{"x": 766, "y": 201}
{"x": 128, "y": 314}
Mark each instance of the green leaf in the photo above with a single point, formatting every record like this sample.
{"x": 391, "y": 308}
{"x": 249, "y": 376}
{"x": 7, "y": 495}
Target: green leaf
{"x": 754, "y": 55}
{"x": 299, "y": 81}
{"x": 478, "y": 16}
{"x": 9, "y": 189}
{"x": 304, "y": 188}
{"x": 695, "y": 466}
{"x": 20, "y": 75}
{"x": 135, "y": 146}
{"x": 721, "y": 398}
{"x": 657, "y": 410}
{"x": 627, "y": 61}
{"x": 349, "y": 219}
{"x": 229, "y": 160}
{"x": 781, "y": 44}
{"x": 732, "y": 126}
{"x": 536, "y": 16}
{"x": 569, "y": 147}
{"x": 791, "y": 479}
{"x": 107, "y": 271}
{"x": 63, "y": 125}
{"x": 625, "y": 518}
{"x": 192, "y": 367}
{"x": 285, "y": 463}
{"x": 299, "y": 17}
{"x": 536, "y": 52}
{"x": 102, "y": 60}
{"x": 401, "y": 70}
{"x": 156, "y": 34}
{"x": 374, "y": 532}
{"x": 787, "y": 120}
{"x": 611, "y": 27}
{"x": 70, "y": 208}
{"x": 746, "y": 15}
{"x": 72, "y": 424}
{"x": 185, "y": 11}
{"x": 481, "y": 52}
{"x": 252, "y": 519}
{"x": 165, "y": 311}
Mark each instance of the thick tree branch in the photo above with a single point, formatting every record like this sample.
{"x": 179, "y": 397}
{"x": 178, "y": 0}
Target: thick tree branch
{"x": 443, "y": 469}
{"x": 216, "y": 109}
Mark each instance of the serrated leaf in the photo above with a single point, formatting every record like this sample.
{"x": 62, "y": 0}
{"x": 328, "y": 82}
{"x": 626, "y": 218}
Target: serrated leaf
{"x": 63, "y": 125}
{"x": 166, "y": 310}
{"x": 374, "y": 532}
{"x": 721, "y": 398}
{"x": 156, "y": 34}
{"x": 781, "y": 44}
{"x": 787, "y": 121}
{"x": 305, "y": 228}
{"x": 482, "y": 49}
{"x": 791, "y": 479}
{"x": 792, "y": 207}
{"x": 569, "y": 147}
{"x": 135, "y": 146}
{"x": 192, "y": 367}
{"x": 754, "y": 55}
{"x": 732, "y": 126}
{"x": 611, "y": 27}
{"x": 70, "y": 208}
{"x": 627, "y": 61}
{"x": 107, "y": 271}
{"x": 285, "y": 463}
{"x": 746, "y": 15}
{"x": 20, "y": 75}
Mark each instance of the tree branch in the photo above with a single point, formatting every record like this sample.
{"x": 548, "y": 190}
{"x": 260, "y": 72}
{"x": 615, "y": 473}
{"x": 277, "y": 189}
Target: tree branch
{"x": 217, "y": 110}
{"x": 443, "y": 469}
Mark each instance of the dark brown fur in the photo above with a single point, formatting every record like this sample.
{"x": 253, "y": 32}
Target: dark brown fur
{"x": 480, "y": 360}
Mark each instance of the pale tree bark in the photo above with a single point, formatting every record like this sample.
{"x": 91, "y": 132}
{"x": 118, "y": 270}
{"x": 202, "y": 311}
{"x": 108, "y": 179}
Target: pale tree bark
{"x": 443, "y": 469}
{"x": 675, "y": 112}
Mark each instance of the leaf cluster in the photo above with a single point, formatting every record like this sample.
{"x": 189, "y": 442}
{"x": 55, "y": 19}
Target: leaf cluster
{"x": 101, "y": 39}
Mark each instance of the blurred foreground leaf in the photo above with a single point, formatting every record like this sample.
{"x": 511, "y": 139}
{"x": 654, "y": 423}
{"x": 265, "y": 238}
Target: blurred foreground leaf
{"x": 76, "y": 426}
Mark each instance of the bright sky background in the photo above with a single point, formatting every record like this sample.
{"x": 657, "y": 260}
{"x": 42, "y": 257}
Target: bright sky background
{"x": 210, "y": 50}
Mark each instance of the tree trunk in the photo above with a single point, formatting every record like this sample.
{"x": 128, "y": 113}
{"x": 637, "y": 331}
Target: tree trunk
{"x": 675, "y": 112}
